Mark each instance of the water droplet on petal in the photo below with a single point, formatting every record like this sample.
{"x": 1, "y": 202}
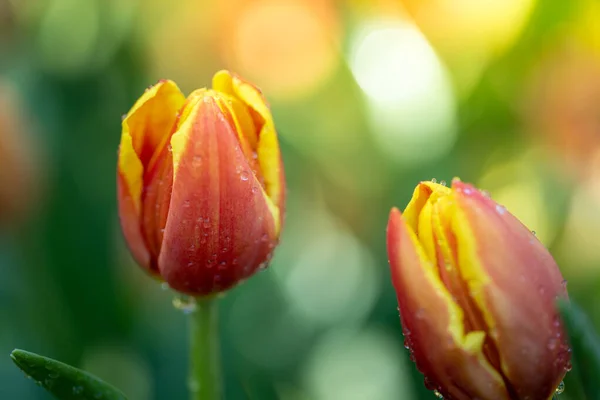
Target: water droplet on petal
{"x": 244, "y": 176}
{"x": 443, "y": 183}
{"x": 164, "y": 286}
{"x": 500, "y": 209}
{"x": 560, "y": 388}
{"x": 433, "y": 180}
{"x": 196, "y": 161}
{"x": 438, "y": 394}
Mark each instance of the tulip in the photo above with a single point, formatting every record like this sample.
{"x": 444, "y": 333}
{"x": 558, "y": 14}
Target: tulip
{"x": 476, "y": 293}
{"x": 200, "y": 182}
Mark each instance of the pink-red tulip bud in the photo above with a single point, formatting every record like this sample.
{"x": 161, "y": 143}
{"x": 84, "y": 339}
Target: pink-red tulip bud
{"x": 201, "y": 185}
{"x": 476, "y": 292}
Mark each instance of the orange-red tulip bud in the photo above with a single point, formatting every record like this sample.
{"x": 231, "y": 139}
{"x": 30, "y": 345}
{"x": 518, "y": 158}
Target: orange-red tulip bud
{"x": 201, "y": 185}
{"x": 476, "y": 293}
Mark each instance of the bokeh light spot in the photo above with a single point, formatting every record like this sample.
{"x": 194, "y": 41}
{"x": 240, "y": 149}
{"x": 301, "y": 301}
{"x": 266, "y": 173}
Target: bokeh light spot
{"x": 410, "y": 102}
{"x": 285, "y": 46}
{"x": 68, "y": 34}
{"x": 357, "y": 366}
{"x": 325, "y": 275}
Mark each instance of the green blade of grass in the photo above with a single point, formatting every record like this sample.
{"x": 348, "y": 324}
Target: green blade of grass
{"x": 64, "y": 381}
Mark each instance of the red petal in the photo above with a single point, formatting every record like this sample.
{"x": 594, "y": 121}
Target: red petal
{"x": 219, "y": 228}
{"x": 450, "y": 358}
{"x": 518, "y": 297}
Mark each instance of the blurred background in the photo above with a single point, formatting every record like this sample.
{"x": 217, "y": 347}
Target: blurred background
{"x": 369, "y": 98}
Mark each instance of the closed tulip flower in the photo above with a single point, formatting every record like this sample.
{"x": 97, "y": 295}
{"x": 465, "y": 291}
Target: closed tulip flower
{"x": 201, "y": 187}
{"x": 476, "y": 293}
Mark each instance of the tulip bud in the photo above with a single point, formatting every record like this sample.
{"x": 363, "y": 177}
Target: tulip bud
{"x": 476, "y": 293}
{"x": 201, "y": 185}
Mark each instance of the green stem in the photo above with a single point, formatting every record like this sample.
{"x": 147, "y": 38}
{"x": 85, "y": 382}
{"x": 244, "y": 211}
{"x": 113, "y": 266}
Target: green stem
{"x": 205, "y": 364}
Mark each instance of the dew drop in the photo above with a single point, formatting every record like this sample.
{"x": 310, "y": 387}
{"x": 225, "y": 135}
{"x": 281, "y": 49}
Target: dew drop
{"x": 433, "y": 180}
{"x": 552, "y": 344}
{"x": 164, "y": 286}
{"x": 429, "y": 384}
{"x": 244, "y": 176}
{"x": 186, "y": 204}
{"x": 187, "y": 304}
{"x": 500, "y": 209}
{"x": 533, "y": 233}
{"x": 542, "y": 290}
{"x": 560, "y": 388}
{"x": 438, "y": 394}
{"x": 443, "y": 183}
{"x": 556, "y": 322}
{"x": 196, "y": 161}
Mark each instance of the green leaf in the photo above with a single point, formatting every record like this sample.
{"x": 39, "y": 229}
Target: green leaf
{"x": 64, "y": 381}
{"x": 586, "y": 348}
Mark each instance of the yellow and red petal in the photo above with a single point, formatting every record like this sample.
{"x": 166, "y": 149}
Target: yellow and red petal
{"x": 145, "y": 130}
{"x": 130, "y": 224}
{"x": 514, "y": 281}
{"x": 451, "y": 359}
{"x": 267, "y": 148}
{"x": 220, "y": 228}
